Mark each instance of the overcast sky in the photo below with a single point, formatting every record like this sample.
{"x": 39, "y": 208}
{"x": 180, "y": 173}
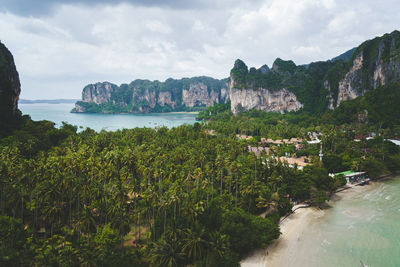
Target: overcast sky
{"x": 61, "y": 45}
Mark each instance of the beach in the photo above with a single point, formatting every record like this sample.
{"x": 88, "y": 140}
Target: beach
{"x": 308, "y": 234}
{"x": 281, "y": 251}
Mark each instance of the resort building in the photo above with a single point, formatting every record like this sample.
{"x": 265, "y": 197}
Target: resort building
{"x": 354, "y": 177}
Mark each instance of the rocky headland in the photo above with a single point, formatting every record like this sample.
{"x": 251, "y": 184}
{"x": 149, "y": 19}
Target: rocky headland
{"x": 10, "y": 89}
{"x": 143, "y": 96}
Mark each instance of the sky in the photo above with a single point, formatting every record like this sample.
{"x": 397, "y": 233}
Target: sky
{"x": 60, "y": 46}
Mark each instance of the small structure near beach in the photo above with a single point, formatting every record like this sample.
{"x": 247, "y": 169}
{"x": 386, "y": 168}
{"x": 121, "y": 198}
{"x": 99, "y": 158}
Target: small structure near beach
{"x": 354, "y": 177}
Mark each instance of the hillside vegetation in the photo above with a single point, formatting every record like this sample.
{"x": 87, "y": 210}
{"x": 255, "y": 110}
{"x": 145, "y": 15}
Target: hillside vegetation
{"x": 318, "y": 83}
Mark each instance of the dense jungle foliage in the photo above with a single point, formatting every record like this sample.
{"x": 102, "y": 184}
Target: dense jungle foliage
{"x": 374, "y": 114}
{"x": 107, "y": 108}
{"x": 155, "y": 197}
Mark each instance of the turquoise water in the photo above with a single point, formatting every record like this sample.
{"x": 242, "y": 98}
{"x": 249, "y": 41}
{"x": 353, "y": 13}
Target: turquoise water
{"x": 363, "y": 225}
{"x": 110, "y": 122}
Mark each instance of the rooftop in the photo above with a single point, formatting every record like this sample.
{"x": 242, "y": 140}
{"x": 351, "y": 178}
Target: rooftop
{"x": 349, "y": 173}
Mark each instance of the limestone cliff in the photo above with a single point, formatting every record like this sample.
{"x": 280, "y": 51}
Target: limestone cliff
{"x": 374, "y": 63}
{"x": 165, "y": 98}
{"x": 99, "y": 93}
{"x": 147, "y": 96}
{"x": 243, "y": 99}
{"x": 317, "y": 86}
{"x": 258, "y": 89}
{"x": 350, "y": 85}
{"x": 198, "y": 95}
{"x": 143, "y": 96}
{"x": 10, "y": 86}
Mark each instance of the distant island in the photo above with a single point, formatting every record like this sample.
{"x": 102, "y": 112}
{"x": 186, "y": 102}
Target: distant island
{"x": 144, "y": 96}
{"x": 47, "y": 101}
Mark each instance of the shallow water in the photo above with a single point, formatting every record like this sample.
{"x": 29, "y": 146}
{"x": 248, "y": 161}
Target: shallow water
{"x": 362, "y": 225}
{"x": 110, "y": 122}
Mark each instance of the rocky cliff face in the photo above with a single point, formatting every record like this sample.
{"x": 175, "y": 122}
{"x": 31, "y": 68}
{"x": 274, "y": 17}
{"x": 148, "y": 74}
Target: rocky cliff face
{"x": 142, "y": 96}
{"x": 264, "y": 99}
{"x": 244, "y": 99}
{"x": 258, "y": 89}
{"x": 224, "y": 96}
{"x": 198, "y": 95}
{"x": 99, "y": 93}
{"x": 374, "y": 63}
{"x": 350, "y": 85}
{"x": 165, "y": 98}
{"x": 320, "y": 85}
{"x": 10, "y": 86}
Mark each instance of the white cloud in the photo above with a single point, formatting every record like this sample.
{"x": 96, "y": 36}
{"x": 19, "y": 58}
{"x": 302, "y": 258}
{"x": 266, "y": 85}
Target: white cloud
{"x": 306, "y": 50}
{"x": 61, "y": 51}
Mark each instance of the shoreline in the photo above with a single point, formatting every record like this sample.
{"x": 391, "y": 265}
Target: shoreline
{"x": 182, "y": 112}
{"x": 292, "y": 227}
{"x": 134, "y": 113}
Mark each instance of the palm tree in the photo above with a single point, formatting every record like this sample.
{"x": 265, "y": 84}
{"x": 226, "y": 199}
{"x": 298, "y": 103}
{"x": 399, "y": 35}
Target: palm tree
{"x": 167, "y": 253}
{"x": 217, "y": 245}
{"x": 87, "y": 223}
{"x": 194, "y": 242}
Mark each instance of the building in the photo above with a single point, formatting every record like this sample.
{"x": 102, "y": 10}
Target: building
{"x": 243, "y": 136}
{"x": 291, "y": 141}
{"x": 354, "y": 177}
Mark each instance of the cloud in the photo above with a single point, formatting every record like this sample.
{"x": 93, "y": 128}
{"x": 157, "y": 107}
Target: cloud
{"x": 60, "y": 46}
{"x": 44, "y": 7}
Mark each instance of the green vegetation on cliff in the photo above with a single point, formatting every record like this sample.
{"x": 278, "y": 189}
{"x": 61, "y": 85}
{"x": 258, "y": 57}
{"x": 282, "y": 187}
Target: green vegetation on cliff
{"x": 305, "y": 81}
{"x": 318, "y": 82}
{"x": 379, "y": 107}
{"x": 142, "y": 96}
{"x": 141, "y": 107}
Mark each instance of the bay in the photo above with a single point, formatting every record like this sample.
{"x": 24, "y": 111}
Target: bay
{"x": 58, "y": 113}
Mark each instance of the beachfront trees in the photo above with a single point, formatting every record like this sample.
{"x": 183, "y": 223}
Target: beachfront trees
{"x": 246, "y": 231}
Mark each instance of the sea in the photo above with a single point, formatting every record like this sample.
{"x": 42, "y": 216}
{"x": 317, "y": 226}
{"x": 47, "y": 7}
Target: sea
{"x": 362, "y": 226}
{"x": 60, "y": 112}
